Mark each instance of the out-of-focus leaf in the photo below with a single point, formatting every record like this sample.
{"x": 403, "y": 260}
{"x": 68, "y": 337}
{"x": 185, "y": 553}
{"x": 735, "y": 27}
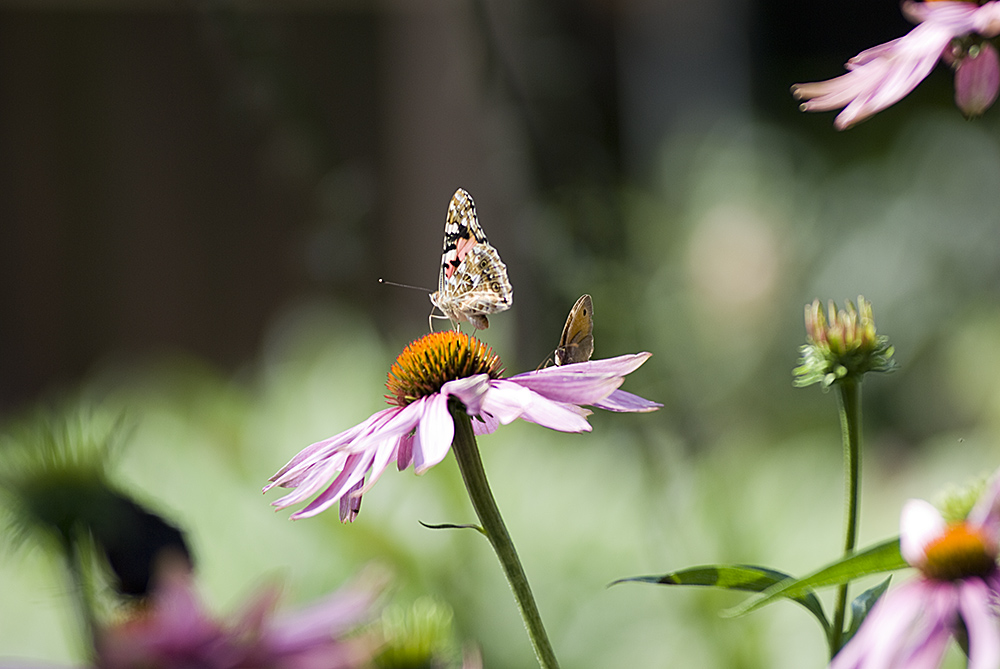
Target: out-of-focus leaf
{"x": 748, "y": 578}
{"x": 874, "y": 560}
{"x": 862, "y": 606}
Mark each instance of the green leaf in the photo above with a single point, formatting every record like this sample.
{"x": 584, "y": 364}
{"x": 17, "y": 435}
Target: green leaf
{"x": 874, "y": 560}
{"x": 862, "y": 606}
{"x": 452, "y": 526}
{"x": 748, "y": 578}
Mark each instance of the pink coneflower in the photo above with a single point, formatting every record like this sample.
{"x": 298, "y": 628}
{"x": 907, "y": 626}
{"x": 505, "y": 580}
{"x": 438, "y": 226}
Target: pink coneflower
{"x": 885, "y": 74}
{"x": 956, "y": 593}
{"x": 418, "y": 429}
{"x": 174, "y": 631}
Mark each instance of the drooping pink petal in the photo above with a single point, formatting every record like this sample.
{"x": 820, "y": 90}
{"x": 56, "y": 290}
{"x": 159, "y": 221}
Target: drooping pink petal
{"x": 470, "y": 390}
{"x": 956, "y": 15}
{"x": 919, "y": 524}
{"x": 381, "y": 460}
{"x": 350, "y": 502}
{"x": 623, "y": 401}
{"x": 331, "y": 616}
{"x": 883, "y": 75}
{"x": 986, "y": 21}
{"x": 986, "y": 512}
{"x": 435, "y": 433}
{"x": 317, "y": 451}
{"x": 582, "y": 382}
{"x": 880, "y": 636}
{"x": 404, "y": 452}
{"x": 354, "y": 470}
{"x": 509, "y": 400}
{"x": 979, "y": 615}
{"x": 400, "y": 422}
{"x": 484, "y": 423}
{"x": 924, "y": 643}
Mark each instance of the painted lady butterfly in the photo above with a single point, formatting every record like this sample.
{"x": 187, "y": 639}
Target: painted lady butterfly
{"x": 473, "y": 280}
{"x": 577, "y": 341}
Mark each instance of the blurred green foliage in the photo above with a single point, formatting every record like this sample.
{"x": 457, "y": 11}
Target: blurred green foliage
{"x": 746, "y": 225}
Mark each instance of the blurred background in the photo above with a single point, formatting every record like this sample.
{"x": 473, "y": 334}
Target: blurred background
{"x": 197, "y": 201}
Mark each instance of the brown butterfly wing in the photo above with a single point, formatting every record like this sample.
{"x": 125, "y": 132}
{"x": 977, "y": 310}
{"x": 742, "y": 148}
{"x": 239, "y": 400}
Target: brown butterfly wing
{"x": 577, "y": 341}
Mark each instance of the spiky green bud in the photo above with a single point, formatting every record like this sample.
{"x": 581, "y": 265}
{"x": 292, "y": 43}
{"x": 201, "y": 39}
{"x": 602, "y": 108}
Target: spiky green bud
{"x": 844, "y": 345}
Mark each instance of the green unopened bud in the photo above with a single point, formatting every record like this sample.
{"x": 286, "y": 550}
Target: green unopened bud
{"x": 843, "y": 345}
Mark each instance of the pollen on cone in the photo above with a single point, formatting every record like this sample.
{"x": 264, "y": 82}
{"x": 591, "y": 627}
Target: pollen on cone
{"x": 431, "y": 361}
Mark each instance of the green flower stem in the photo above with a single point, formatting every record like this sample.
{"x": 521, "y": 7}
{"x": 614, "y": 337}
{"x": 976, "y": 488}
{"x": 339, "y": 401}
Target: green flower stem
{"x": 82, "y": 596}
{"x": 471, "y": 466}
{"x": 850, "y": 427}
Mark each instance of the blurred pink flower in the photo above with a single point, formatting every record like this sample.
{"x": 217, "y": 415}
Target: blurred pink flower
{"x": 885, "y": 74}
{"x": 419, "y": 429}
{"x": 175, "y": 632}
{"x": 956, "y": 593}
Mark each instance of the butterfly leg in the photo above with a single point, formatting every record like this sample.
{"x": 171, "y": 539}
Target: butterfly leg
{"x": 432, "y": 316}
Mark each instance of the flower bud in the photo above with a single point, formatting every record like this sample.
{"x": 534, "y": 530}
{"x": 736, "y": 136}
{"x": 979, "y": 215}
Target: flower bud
{"x": 845, "y": 345}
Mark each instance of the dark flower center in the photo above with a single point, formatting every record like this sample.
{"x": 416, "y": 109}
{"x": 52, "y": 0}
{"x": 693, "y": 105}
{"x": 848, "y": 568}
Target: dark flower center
{"x": 962, "y": 551}
{"x": 431, "y": 361}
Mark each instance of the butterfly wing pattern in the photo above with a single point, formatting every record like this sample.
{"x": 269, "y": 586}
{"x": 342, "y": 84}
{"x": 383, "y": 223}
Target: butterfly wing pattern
{"x": 577, "y": 341}
{"x": 473, "y": 280}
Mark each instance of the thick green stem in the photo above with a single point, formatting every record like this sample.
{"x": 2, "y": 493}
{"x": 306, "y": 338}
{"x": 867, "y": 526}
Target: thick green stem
{"x": 850, "y": 427}
{"x": 471, "y": 465}
{"x": 81, "y": 592}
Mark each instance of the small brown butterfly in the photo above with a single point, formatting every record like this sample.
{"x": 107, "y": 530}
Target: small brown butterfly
{"x": 577, "y": 341}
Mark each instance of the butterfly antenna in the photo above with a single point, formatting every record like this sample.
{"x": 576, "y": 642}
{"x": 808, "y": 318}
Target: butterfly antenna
{"x": 402, "y": 285}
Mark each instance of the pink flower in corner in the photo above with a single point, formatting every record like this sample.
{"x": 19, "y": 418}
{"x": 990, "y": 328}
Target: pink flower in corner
{"x": 418, "y": 429}
{"x": 883, "y": 75}
{"x": 956, "y": 593}
{"x": 175, "y": 631}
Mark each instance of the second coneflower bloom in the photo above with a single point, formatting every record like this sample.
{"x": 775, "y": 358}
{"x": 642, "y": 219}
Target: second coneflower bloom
{"x": 418, "y": 429}
{"x": 955, "y": 595}
{"x": 957, "y": 32}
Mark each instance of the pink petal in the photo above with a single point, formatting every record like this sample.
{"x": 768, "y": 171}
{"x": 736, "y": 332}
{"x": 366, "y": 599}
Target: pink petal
{"x": 404, "y": 452}
{"x": 986, "y": 512}
{"x": 926, "y": 640}
{"x": 987, "y": 20}
{"x": 582, "y": 382}
{"x": 621, "y": 400}
{"x": 329, "y": 617}
{"x": 919, "y": 524}
{"x": 509, "y": 400}
{"x": 880, "y": 635}
{"x": 354, "y": 470}
{"x": 470, "y": 390}
{"x": 956, "y": 15}
{"x": 435, "y": 433}
{"x": 322, "y": 449}
{"x": 883, "y": 75}
{"x": 976, "y": 607}
{"x": 484, "y": 423}
{"x": 350, "y": 502}
{"x": 561, "y": 416}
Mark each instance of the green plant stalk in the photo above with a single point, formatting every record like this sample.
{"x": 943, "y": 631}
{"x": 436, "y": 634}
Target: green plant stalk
{"x": 471, "y": 465}
{"x": 850, "y": 428}
{"x": 80, "y": 588}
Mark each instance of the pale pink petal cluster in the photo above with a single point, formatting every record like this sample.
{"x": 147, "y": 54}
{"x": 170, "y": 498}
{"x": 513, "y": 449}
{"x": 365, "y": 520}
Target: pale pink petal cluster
{"x": 420, "y": 434}
{"x": 912, "y": 625}
{"x": 883, "y": 75}
{"x": 177, "y": 633}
